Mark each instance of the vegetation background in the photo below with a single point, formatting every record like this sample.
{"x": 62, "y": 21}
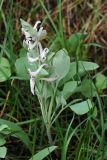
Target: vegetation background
{"x": 62, "y": 20}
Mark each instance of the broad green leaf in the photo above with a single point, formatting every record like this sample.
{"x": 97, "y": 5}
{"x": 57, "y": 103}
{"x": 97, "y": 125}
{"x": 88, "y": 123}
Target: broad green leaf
{"x": 27, "y": 27}
{"x": 22, "y": 68}
{"x": 3, "y": 126}
{"x": 3, "y": 151}
{"x": 18, "y": 132}
{"x": 61, "y": 64}
{"x": 23, "y": 52}
{"x": 83, "y": 67}
{"x": 82, "y": 107}
{"x": 43, "y": 153}
{"x": 101, "y": 81}
{"x": 2, "y": 140}
{"x": 5, "y": 70}
{"x": 87, "y": 88}
{"x": 60, "y": 100}
{"x": 69, "y": 88}
{"x": 47, "y": 90}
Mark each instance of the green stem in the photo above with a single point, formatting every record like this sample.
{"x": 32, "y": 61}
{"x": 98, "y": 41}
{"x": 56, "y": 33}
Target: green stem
{"x": 51, "y": 103}
{"x": 45, "y": 119}
{"x": 48, "y": 129}
{"x": 50, "y": 109}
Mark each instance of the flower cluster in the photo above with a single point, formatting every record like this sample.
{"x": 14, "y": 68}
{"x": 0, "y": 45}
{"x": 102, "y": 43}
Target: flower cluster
{"x": 33, "y": 37}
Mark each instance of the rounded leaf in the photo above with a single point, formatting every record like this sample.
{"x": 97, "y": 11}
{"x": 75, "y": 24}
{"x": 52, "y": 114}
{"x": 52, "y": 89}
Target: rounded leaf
{"x": 2, "y": 140}
{"x": 61, "y": 64}
{"x": 82, "y": 107}
{"x": 69, "y": 88}
{"x": 5, "y": 70}
{"x": 3, "y": 151}
{"x": 22, "y": 68}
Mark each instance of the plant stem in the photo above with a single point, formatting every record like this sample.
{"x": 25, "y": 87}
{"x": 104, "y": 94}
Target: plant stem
{"x": 48, "y": 129}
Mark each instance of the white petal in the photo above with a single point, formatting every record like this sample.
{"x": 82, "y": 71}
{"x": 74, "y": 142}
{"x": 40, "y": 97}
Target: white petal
{"x": 50, "y": 79}
{"x": 36, "y": 24}
{"x": 25, "y": 33}
{"x": 41, "y": 34}
{"x": 40, "y": 48}
{"x": 32, "y": 85}
{"x": 44, "y": 53}
{"x": 28, "y": 42}
{"x": 32, "y": 45}
{"x": 35, "y": 73}
{"x": 31, "y": 59}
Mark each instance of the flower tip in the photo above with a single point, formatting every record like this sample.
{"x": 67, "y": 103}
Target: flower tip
{"x": 36, "y": 24}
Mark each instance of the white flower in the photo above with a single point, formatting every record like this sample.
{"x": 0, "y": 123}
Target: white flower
{"x": 35, "y": 73}
{"x": 33, "y": 76}
{"x": 26, "y": 33}
{"x": 31, "y": 59}
{"x": 41, "y": 33}
{"x": 32, "y": 85}
{"x": 49, "y": 79}
{"x": 32, "y": 40}
{"x": 43, "y": 52}
{"x": 32, "y": 45}
{"x": 36, "y": 24}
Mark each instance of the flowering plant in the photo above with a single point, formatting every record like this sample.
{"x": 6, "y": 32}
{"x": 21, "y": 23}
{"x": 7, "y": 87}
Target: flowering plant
{"x": 53, "y": 78}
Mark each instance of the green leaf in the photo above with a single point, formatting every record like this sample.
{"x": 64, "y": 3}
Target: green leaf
{"x": 22, "y": 68}
{"x": 3, "y": 151}
{"x": 82, "y": 107}
{"x": 43, "y": 153}
{"x": 47, "y": 91}
{"x": 83, "y": 66}
{"x": 101, "y": 81}
{"x": 74, "y": 41}
{"x": 61, "y": 64}
{"x": 5, "y": 70}
{"x": 27, "y": 27}
{"x": 3, "y": 126}
{"x": 18, "y": 132}
{"x": 87, "y": 88}
{"x": 43, "y": 72}
{"x": 23, "y": 52}
{"x": 2, "y": 140}
{"x": 60, "y": 100}
{"x": 69, "y": 88}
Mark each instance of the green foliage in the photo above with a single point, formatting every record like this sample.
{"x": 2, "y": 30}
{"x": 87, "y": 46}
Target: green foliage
{"x": 28, "y": 27}
{"x": 61, "y": 64}
{"x": 4, "y": 130}
{"x": 23, "y": 52}
{"x": 78, "y": 68}
{"x": 85, "y": 136}
{"x": 3, "y": 151}
{"x": 5, "y": 70}
{"x": 17, "y": 132}
{"x": 82, "y": 107}
{"x": 74, "y": 41}
{"x": 22, "y": 68}
{"x": 60, "y": 99}
{"x": 82, "y": 67}
{"x": 101, "y": 81}
{"x": 87, "y": 88}
{"x": 43, "y": 153}
{"x": 69, "y": 88}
